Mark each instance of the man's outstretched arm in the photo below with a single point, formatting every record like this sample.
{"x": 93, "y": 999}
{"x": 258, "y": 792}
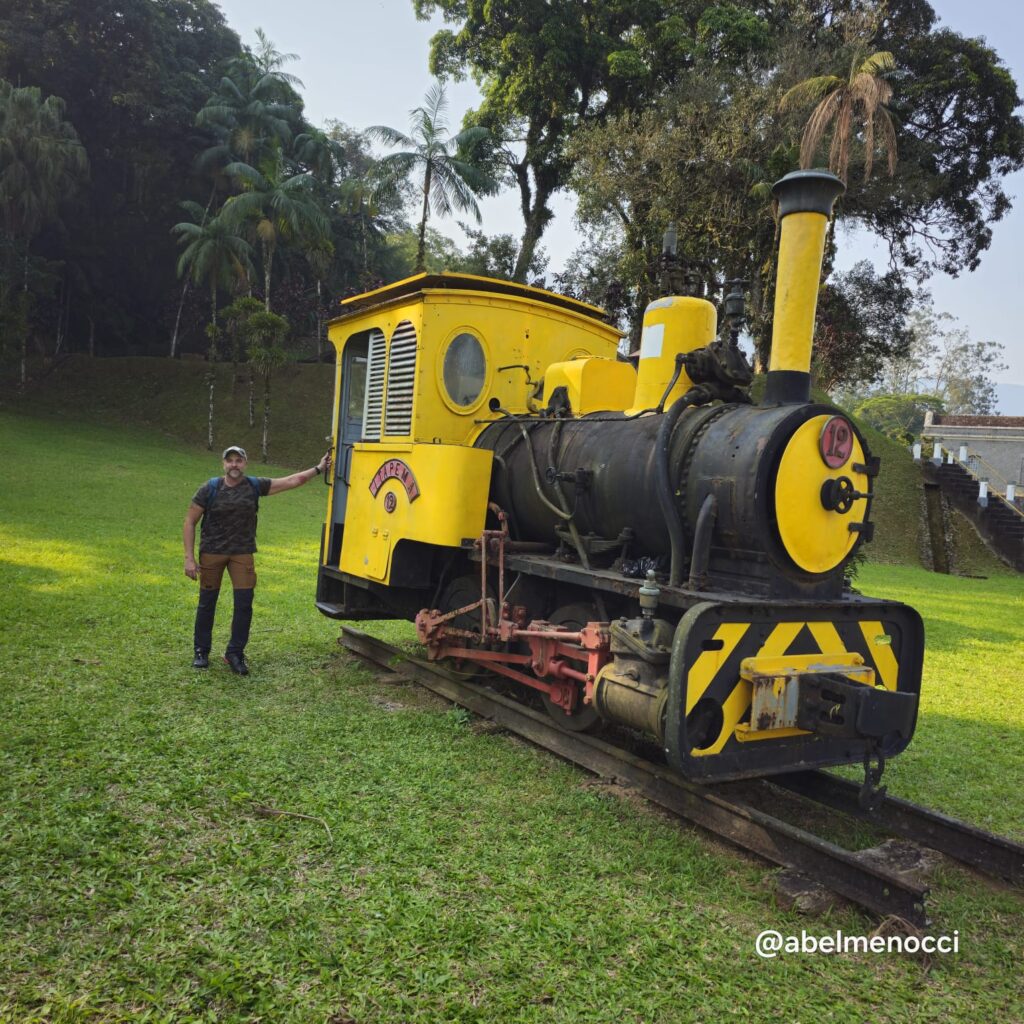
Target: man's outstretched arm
{"x": 286, "y": 483}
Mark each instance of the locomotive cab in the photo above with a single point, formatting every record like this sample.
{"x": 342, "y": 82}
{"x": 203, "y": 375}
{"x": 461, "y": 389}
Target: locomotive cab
{"x": 422, "y": 365}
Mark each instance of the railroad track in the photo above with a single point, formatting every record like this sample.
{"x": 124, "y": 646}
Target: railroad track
{"x": 729, "y": 810}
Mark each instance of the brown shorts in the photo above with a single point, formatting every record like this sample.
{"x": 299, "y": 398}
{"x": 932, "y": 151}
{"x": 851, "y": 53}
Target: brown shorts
{"x": 241, "y": 569}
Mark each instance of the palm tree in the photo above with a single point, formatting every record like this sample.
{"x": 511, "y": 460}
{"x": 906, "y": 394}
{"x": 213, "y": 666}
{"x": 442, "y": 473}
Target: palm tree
{"x": 864, "y": 90}
{"x": 278, "y": 209}
{"x": 450, "y": 177}
{"x": 253, "y": 109}
{"x": 321, "y": 155}
{"x": 217, "y": 257}
{"x": 42, "y": 162}
{"x": 214, "y": 255}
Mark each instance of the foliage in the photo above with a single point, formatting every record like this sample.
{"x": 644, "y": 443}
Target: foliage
{"x": 237, "y": 319}
{"x": 862, "y": 322}
{"x": 42, "y": 160}
{"x": 942, "y": 360}
{"x": 959, "y": 135}
{"x": 275, "y": 208}
{"x": 691, "y": 160}
{"x": 42, "y": 164}
{"x": 495, "y": 256}
{"x": 165, "y": 99}
{"x": 451, "y": 173}
{"x": 132, "y": 74}
{"x": 254, "y": 111}
{"x": 595, "y": 271}
{"x": 940, "y": 369}
{"x": 266, "y": 333}
{"x": 900, "y": 417}
{"x": 439, "y": 252}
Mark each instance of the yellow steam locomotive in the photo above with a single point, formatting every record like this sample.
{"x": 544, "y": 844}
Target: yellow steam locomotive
{"x": 639, "y": 546}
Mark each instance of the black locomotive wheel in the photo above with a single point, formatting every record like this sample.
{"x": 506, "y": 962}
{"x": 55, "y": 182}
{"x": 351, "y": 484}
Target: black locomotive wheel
{"x": 583, "y": 717}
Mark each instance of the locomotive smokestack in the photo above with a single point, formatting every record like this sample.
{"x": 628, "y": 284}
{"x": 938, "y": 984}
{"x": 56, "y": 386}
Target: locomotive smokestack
{"x": 805, "y": 205}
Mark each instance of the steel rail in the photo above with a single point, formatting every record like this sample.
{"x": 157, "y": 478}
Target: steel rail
{"x": 871, "y": 886}
{"x": 990, "y": 854}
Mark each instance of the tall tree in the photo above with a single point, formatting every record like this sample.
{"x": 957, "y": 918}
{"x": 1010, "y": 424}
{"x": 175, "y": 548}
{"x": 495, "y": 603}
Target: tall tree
{"x": 443, "y": 163}
{"x": 548, "y": 69}
{"x": 42, "y": 162}
{"x": 216, "y": 256}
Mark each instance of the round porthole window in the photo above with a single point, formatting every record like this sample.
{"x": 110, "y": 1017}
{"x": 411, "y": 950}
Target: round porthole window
{"x": 465, "y": 369}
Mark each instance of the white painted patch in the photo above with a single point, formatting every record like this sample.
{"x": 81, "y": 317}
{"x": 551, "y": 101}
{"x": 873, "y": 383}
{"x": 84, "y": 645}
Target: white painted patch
{"x": 651, "y": 341}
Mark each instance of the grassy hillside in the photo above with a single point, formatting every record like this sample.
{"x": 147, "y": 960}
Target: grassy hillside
{"x": 443, "y": 873}
{"x": 171, "y": 397}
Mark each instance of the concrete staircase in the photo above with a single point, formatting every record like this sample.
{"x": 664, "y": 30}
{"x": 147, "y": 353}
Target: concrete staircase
{"x": 999, "y": 523}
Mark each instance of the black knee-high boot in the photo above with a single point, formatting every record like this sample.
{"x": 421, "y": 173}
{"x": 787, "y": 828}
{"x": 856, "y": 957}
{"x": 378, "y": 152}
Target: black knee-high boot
{"x": 241, "y": 621}
{"x": 203, "y": 636}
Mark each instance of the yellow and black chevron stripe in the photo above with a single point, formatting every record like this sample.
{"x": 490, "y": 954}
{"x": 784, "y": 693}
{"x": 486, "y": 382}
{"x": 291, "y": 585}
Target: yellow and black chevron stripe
{"x": 714, "y": 640}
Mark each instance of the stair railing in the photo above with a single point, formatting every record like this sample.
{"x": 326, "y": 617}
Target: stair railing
{"x": 982, "y": 471}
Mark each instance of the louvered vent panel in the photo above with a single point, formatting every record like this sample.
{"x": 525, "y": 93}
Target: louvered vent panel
{"x": 401, "y": 381}
{"x": 373, "y": 404}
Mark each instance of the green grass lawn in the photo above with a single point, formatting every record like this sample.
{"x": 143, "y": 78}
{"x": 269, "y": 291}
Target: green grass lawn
{"x": 453, "y": 874}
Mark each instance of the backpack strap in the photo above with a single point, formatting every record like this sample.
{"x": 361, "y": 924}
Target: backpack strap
{"x": 214, "y": 484}
{"x": 255, "y": 490}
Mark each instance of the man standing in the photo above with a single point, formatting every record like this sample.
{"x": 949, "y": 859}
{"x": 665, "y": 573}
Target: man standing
{"x": 227, "y": 507}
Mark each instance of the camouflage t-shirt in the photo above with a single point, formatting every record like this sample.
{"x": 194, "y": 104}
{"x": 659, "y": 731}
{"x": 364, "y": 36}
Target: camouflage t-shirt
{"x": 229, "y": 527}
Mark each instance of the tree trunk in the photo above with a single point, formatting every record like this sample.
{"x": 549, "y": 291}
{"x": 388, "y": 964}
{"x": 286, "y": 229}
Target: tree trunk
{"x": 211, "y": 378}
{"x": 177, "y": 320}
{"x": 212, "y": 357}
{"x": 266, "y": 414}
{"x": 252, "y": 398}
{"x": 92, "y": 337}
{"x": 268, "y": 256}
{"x": 58, "y": 343}
{"x": 421, "y": 248}
{"x": 319, "y": 322}
{"x": 535, "y": 222}
{"x": 184, "y": 287}
{"x": 24, "y": 332}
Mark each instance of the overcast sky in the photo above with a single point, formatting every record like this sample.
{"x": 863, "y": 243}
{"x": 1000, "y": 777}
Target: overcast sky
{"x": 364, "y": 62}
